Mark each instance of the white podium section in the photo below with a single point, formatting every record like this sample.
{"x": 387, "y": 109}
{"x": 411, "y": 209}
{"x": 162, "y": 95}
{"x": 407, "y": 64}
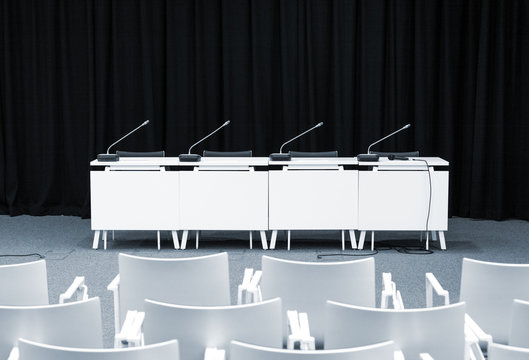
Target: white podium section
{"x": 313, "y": 194}
{"x": 224, "y": 200}
{"x": 134, "y": 200}
{"x": 313, "y": 199}
{"x": 396, "y": 196}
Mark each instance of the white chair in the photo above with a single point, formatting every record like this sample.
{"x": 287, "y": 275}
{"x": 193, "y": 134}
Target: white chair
{"x": 306, "y": 286}
{"x": 30, "y": 350}
{"x": 201, "y": 327}
{"x": 505, "y": 352}
{"x": 489, "y": 289}
{"x": 200, "y": 280}
{"x": 438, "y": 331}
{"x": 74, "y": 324}
{"x": 243, "y": 351}
{"x": 24, "y": 284}
{"x": 519, "y": 329}
{"x": 27, "y": 284}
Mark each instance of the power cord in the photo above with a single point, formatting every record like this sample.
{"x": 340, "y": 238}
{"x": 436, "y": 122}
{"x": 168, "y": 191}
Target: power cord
{"x": 429, "y": 194}
{"x": 23, "y": 255}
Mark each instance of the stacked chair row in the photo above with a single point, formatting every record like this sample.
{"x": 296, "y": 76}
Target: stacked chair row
{"x": 180, "y": 309}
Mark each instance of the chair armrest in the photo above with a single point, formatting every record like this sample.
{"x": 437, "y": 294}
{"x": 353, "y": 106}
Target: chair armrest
{"x": 114, "y": 287}
{"x": 212, "y": 353}
{"x": 14, "y": 354}
{"x": 248, "y": 272}
{"x": 425, "y": 356}
{"x": 254, "y": 288}
{"x": 389, "y": 291}
{"x": 131, "y": 332}
{"x": 298, "y": 324}
{"x": 431, "y": 285}
{"x": 78, "y": 286}
{"x": 473, "y": 329}
{"x": 398, "y": 355}
{"x": 249, "y": 290}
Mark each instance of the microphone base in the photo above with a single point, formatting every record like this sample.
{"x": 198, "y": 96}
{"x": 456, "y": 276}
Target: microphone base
{"x": 107, "y": 157}
{"x": 367, "y": 157}
{"x": 189, "y": 157}
{"x": 280, "y": 157}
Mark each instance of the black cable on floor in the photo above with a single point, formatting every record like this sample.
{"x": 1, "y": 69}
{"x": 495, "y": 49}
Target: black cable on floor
{"x": 23, "y": 255}
{"x": 321, "y": 256}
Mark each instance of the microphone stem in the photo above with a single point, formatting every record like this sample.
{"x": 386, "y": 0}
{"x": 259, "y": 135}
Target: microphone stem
{"x": 199, "y": 141}
{"x": 145, "y": 123}
{"x": 384, "y": 138}
{"x": 303, "y": 133}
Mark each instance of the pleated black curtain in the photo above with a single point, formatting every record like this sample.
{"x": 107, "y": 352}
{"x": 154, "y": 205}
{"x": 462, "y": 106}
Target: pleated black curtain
{"x": 75, "y": 75}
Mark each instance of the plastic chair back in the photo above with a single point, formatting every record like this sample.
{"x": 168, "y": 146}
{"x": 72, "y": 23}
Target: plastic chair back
{"x": 438, "y": 331}
{"x": 30, "y": 350}
{"x": 200, "y": 280}
{"x": 199, "y": 327}
{"x": 489, "y": 289}
{"x": 244, "y": 153}
{"x": 75, "y": 324}
{"x": 519, "y": 330}
{"x": 504, "y": 352}
{"x": 306, "y": 286}
{"x": 24, "y": 284}
{"x": 243, "y": 351}
{"x": 160, "y": 153}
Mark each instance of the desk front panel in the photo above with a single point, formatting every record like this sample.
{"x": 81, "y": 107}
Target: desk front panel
{"x": 224, "y": 200}
{"x": 134, "y": 200}
{"x": 398, "y": 200}
{"x": 313, "y": 199}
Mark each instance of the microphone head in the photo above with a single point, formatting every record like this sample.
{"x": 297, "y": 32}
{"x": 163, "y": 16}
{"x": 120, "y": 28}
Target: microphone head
{"x": 226, "y": 123}
{"x": 406, "y": 126}
{"x": 320, "y": 124}
{"x": 145, "y": 122}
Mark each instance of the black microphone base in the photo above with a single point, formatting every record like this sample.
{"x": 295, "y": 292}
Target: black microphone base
{"x": 107, "y": 157}
{"x": 280, "y": 157}
{"x": 189, "y": 157}
{"x": 367, "y": 157}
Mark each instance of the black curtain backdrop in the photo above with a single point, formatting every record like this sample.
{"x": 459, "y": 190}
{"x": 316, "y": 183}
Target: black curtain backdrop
{"x": 75, "y": 75}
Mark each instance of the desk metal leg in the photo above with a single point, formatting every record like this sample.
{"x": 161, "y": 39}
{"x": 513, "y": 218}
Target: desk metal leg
{"x": 251, "y": 240}
{"x": 158, "y": 238}
{"x": 273, "y": 239}
{"x": 362, "y": 239}
{"x": 427, "y": 240}
{"x": 104, "y": 239}
{"x": 95, "y": 243}
{"x": 288, "y": 240}
{"x": 263, "y": 240}
{"x": 184, "y": 239}
{"x": 352, "y": 235}
{"x": 434, "y": 235}
{"x": 175, "y": 239}
{"x": 442, "y": 240}
{"x": 372, "y": 241}
{"x": 197, "y": 234}
{"x": 343, "y": 240}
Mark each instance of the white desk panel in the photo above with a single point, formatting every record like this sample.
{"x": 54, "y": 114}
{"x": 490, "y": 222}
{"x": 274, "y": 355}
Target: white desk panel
{"x": 398, "y": 200}
{"x": 313, "y": 199}
{"x": 224, "y": 200}
{"x": 134, "y": 200}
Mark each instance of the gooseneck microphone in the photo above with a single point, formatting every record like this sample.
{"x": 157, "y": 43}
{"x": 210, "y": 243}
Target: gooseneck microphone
{"x": 115, "y": 157}
{"x": 374, "y": 157}
{"x": 280, "y": 156}
{"x": 195, "y": 157}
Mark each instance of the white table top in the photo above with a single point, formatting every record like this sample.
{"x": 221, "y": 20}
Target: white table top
{"x": 262, "y": 161}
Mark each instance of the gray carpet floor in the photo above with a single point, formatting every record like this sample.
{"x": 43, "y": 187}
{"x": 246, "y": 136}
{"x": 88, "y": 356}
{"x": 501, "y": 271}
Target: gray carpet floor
{"x": 66, "y": 244}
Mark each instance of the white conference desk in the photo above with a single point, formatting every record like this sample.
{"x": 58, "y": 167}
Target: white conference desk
{"x": 255, "y": 194}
